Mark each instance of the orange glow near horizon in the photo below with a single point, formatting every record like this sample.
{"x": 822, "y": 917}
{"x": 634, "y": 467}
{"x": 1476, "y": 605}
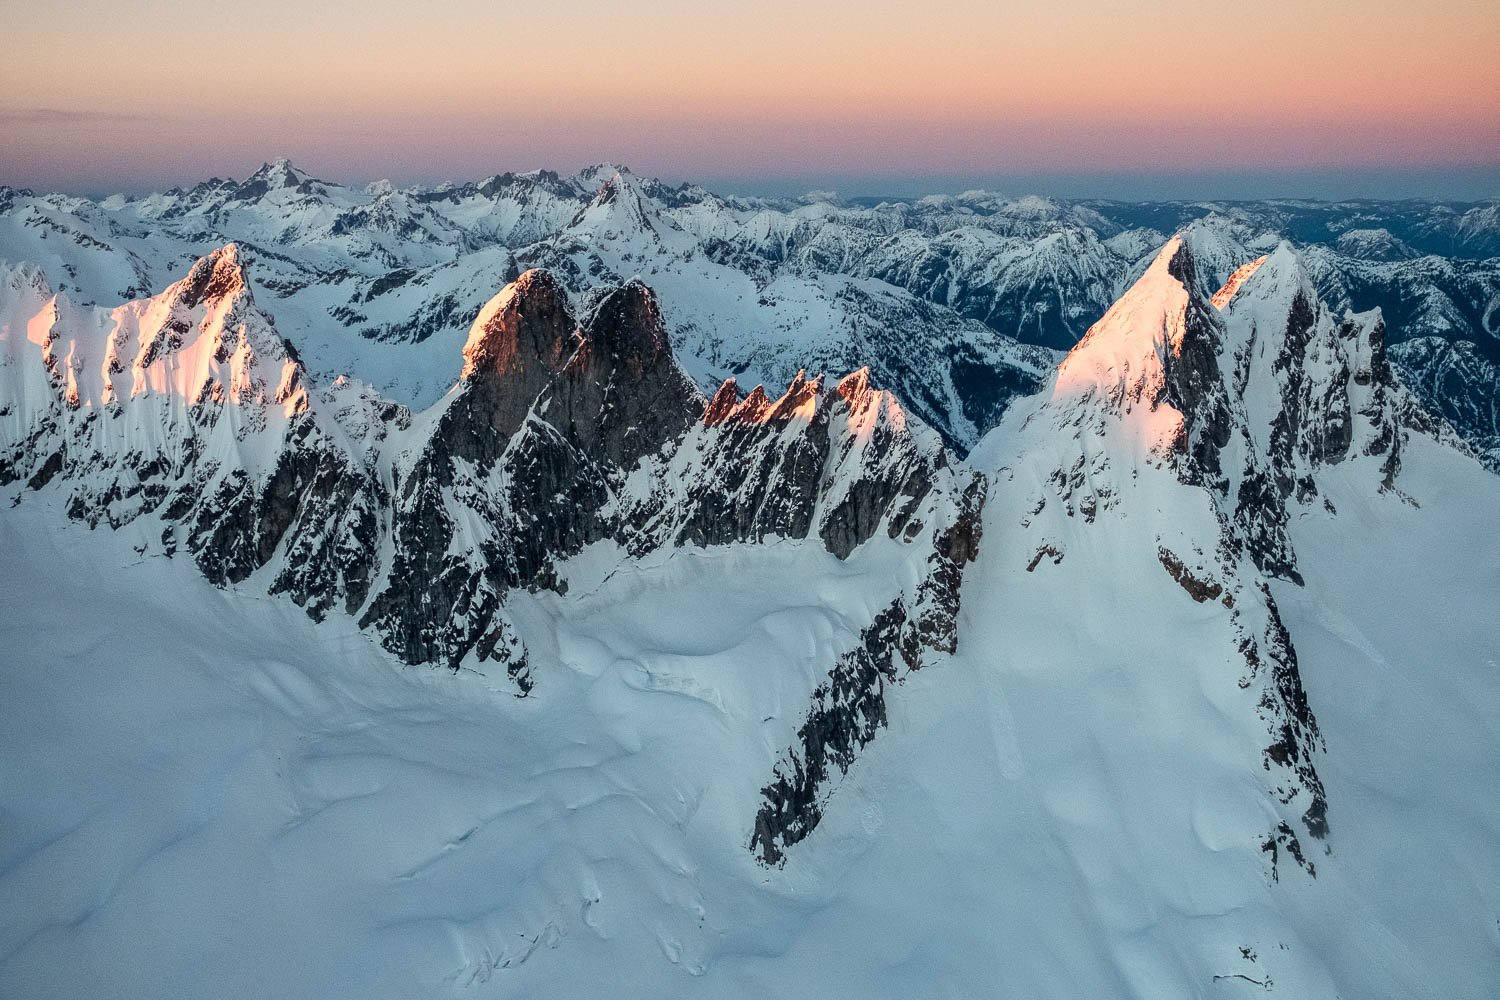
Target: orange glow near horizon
{"x": 366, "y": 90}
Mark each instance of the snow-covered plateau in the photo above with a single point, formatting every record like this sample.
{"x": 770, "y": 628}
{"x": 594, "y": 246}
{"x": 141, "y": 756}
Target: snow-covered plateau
{"x": 715, "y": 611}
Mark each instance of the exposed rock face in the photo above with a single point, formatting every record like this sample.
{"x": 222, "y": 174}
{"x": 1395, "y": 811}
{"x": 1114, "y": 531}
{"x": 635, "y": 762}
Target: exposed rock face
{"x": 523, "y": 460}
{"x": 560, "y": 433}
{"x": 1244, "y": 393}
{"x": 190, "y": 407}
{"x": 559, "y": 437}
{"x": 519, "y": 342}
{"x": 622, "y": 396}
{"x": 849, "y": 707}
{"x": 839, "y": 464}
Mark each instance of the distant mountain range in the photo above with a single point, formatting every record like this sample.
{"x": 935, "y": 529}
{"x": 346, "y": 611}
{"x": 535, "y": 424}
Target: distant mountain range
{"x": 808, "y": 621}
{"x": 957, "y": 303}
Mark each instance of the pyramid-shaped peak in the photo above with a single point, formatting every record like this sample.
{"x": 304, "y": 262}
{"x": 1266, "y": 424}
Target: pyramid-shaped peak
{"x": 1152, "y": 322}
{"x": 617, "y": 185}
{"x": 619, "y": 206}
{"x": 279, "y": 173}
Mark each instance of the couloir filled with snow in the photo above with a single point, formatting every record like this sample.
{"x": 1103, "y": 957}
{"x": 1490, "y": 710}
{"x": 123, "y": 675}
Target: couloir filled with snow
{"x": 1183, "y": 683}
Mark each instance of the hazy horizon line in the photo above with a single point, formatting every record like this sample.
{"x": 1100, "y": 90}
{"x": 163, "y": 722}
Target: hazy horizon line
{"x": 1479, "y": 183}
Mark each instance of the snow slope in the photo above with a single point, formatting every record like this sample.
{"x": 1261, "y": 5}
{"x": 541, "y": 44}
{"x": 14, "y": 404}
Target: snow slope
{"x": 1184, "y": 684}
{"x": 1059, "y": 810}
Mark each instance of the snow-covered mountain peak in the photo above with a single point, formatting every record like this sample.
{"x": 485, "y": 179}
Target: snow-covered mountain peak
{"x": 1124, "y": 358}
{"x": 1211, "y": 425}
{"x": 278, "y": 173}
{"x": 621, "y": 210}
{"x": 201, "y": 340}
{"x": 1271, "y": 305}
{"x": 1219, "y": 244}
{"x": 276, "y": 181}
{"x": 1282, "y": 273}
{"x": 1247, "y": 395}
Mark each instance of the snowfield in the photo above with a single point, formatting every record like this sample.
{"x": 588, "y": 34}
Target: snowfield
{"x": 205, "y": 794}
{"x": 1184, "y": 682}
{"x": 209, "y": 795}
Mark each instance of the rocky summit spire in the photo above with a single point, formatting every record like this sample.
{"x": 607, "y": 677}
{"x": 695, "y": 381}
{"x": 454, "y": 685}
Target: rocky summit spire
{"x": 627, "y": 328}
{"x": 213, "y": 277}
{"x": 517, "y": 345}
{"x": 526, "y": 329}
{"x": 722, "y": 404}
{"x": 622, "y": 395}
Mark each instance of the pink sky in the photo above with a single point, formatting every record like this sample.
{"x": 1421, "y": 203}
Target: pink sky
{"x": 124, "y": 95}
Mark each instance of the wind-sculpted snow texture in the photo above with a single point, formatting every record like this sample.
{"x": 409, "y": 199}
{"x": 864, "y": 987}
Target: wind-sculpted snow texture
{"x": 1093, "y": 708}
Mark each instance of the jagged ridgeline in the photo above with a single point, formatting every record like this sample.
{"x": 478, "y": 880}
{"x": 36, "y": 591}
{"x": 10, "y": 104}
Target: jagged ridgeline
{"x": 960, "y": 304}
{"x": 1179, "y": 437}
{"x": 564, "y": 429}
